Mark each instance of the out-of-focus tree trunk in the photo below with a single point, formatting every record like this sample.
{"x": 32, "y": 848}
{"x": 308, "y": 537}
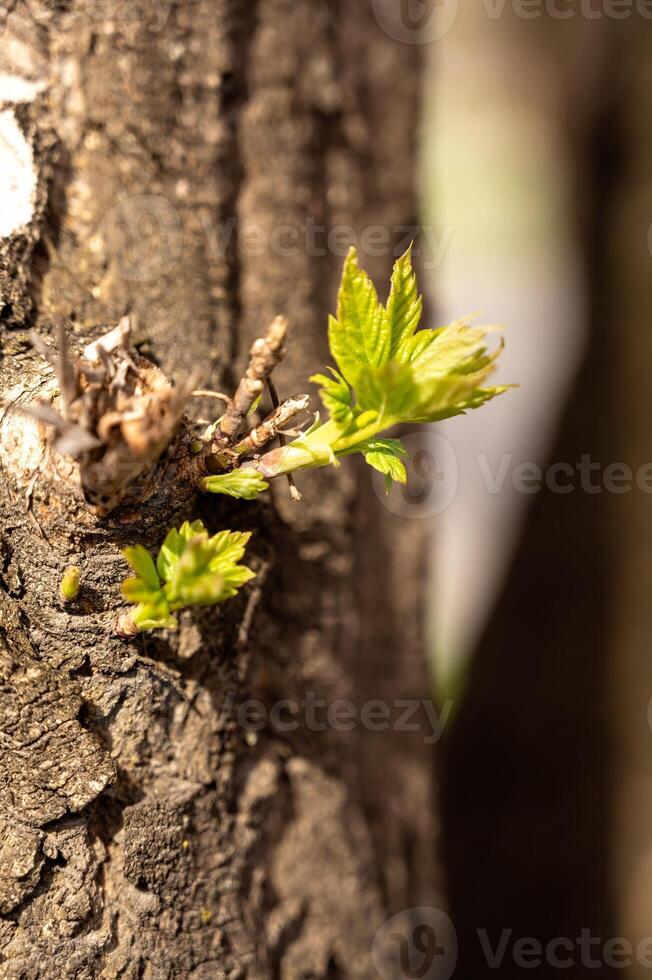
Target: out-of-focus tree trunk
{"x": 552, "y": 742}
{"x": 627, "y": 310}
{"x": 548, "y": 783}
{"x": 144, "y": 833}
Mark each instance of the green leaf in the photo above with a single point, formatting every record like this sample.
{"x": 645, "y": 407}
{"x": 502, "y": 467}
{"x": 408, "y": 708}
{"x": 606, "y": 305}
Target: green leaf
{"x": 443, "y": 376}
{"x": 154, "y": 615}
{"x": 360, "y": 336}
{"x": 234, "y": 579}
{"x": 456, "y": 349}
{"x": 191, "y": 529}
{"x": 243, "y": 484}
{"x": 336, "y": 395}
{"x": 136, "y": 590}
{"x": 169, "y": 554}
{"x": 405, "y": 305}
{"x": 390, "y": 390}
{"x": 455, "y": 395}
{"x": 392, "y": 446}
{"x": 228, "y": 547}
{"x": 142, "y": 563}
{"x": 192, "y": 582}
{"x": 384, "y": 455}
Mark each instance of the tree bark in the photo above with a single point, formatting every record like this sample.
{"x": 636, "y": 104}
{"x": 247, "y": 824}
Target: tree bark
{"x": 145, "y": 833}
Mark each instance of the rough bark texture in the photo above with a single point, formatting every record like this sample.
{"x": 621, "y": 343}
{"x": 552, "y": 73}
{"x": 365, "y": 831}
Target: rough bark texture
{"x": 144, "y": 833}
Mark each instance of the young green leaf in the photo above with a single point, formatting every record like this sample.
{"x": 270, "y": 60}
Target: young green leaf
{"x": 195, "y": 569}
{"x": 154, "y": 615}
{"x": 360, "y": 336}
{"x": 385, "y": 455}
{"x": 228, "y": 550}
{"x": 405, "y": 305}
{"x": 242, "y": 484}
{"x": 141, "y": 561}
{"x": 193, "y": 583}
{"x": 336, "y": 396}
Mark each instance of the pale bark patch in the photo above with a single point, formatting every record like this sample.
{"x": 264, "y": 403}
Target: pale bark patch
{"x": 18, "y": 177}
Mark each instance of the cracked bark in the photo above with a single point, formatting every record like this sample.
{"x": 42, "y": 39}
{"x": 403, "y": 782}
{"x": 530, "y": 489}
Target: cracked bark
{"x": 143, "y": 834}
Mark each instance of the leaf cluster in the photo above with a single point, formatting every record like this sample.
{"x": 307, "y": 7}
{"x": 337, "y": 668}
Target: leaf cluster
{"x": 389, "y": 372}
{"x": 191, "y": 569}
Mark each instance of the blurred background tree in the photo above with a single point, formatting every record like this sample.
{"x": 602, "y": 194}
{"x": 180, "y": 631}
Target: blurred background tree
{"x": 538, "y": 155}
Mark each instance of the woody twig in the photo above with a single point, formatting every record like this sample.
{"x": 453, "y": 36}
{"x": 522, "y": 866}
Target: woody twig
{"x": 270, "y": 427}
{"x": 228, "y": 447}
{"x": 265, "y": 354}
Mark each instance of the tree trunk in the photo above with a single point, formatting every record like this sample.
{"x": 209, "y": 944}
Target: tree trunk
{"x": 626, "y": 296}
{"x": 145, "y": 830}
{"x": 552, "y": 744}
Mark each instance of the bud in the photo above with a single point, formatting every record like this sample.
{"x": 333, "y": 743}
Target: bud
{"x": 69, "y": 587}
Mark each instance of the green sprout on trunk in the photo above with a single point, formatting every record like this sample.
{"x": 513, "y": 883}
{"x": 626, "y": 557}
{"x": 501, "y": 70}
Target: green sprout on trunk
{"x": 389, "y": 372}
{"x": 192, "y": 569}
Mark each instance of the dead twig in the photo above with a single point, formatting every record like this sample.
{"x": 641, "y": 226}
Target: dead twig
{"x": 270, "y": 427}
{"x": 265, "y": 354}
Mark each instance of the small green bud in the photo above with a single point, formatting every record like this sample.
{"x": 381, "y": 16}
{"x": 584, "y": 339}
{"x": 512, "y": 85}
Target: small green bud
{"x": 196, "y": 446}
{"x": 69, "y": 587}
